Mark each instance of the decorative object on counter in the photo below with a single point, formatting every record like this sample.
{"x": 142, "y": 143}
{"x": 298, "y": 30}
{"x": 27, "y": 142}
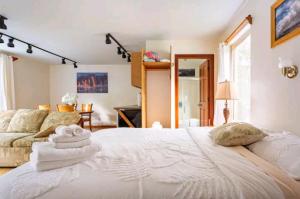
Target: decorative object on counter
{"x": 157, "y": 125}
{"x": 285, "y": 21}
{"x": 69, "y": 98}
{"x": 287, "y": 68}
{"x": 150, "y": 56}
{"x": 226, "y": 91}
{"x": 120, "y": 49}
{"x": 92, "y": 83}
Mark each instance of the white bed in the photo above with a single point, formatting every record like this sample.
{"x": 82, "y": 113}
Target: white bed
{"x": 147, "y": 163}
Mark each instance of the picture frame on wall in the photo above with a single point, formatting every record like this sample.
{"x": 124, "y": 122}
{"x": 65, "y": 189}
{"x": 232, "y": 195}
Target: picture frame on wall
{"x": 285, "y": 21}
{"x": 92, "y": 82}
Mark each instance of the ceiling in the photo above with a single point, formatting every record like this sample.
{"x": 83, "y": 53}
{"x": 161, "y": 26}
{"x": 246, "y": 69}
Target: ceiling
{"x": 76, "y": 28}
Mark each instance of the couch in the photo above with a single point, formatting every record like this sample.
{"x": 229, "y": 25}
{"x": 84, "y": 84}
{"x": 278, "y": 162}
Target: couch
{"x": 19, "y": 129}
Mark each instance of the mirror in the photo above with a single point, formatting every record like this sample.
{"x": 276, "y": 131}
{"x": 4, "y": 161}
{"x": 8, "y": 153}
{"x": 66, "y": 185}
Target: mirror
{"x": 193, "y": 91}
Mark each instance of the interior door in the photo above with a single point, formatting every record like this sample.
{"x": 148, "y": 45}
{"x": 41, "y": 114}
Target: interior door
{"x": 204, "y": 94}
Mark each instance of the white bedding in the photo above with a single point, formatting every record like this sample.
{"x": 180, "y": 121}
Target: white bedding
{"x": 149, "y": 164}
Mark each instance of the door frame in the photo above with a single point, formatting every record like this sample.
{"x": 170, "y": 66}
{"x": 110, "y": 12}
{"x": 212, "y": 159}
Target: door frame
{"x": 211, "y": 85}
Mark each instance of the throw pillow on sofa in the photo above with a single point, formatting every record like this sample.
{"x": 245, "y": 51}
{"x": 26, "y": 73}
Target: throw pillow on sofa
{"x": 5, "y": 118}
{"x": 55, "y": 119}
{"x": 235, "y": 134}
{"x": 27, "y": 120}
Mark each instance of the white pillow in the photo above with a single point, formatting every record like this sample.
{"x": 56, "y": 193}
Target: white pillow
{"x": 281, "y": 149}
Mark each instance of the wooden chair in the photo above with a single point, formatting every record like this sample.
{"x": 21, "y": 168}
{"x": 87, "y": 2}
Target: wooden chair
{"x": 86, "y": 114}
{"x": 66, "y": 107}
{"x": 46, "y": 107}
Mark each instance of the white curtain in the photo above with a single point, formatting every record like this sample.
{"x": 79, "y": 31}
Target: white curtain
{"x": 223, "y": 74}
{"x": 7, "y": 88}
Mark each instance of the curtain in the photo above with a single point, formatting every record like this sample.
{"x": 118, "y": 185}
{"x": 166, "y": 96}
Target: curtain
{"x": 7, "y": 88}
{"x": 223, "y": 74}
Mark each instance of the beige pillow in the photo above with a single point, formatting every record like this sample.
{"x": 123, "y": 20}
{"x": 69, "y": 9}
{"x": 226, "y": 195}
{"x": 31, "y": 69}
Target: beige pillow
{"x": 5, "y": 118}
{"x": 27, "y": 121}
{"x": 234, "y": 134}
{"x": 54, "y": 119}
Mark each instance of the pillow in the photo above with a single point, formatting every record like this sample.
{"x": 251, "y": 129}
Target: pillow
{"x": 27, "y": 121}
{"x": 55, "y": 119}
{"x": 5, "y": 117}
{"x": 281, "y": 149}
{"x": 234, "y": 134}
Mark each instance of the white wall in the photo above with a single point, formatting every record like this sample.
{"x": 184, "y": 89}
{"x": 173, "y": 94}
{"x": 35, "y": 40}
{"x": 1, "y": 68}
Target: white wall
{"x": 208, "y": 46}
{"x": 275, "y": 99}
{"x": 31, "y": 83}
{"x": 120, "y": 91}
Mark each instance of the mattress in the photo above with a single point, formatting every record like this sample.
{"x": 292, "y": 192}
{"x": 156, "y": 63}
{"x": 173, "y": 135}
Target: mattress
{"x": 147, "y": 163}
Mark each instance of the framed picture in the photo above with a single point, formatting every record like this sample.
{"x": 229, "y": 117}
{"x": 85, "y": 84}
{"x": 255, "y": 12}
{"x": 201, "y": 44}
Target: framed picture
{"x": 285, "y": 24}
{"x": 92, "y": 83}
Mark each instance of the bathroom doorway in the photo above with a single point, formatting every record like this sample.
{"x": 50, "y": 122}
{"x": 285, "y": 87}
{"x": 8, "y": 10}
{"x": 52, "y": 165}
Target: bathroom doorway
{"x": 194, "y": 90}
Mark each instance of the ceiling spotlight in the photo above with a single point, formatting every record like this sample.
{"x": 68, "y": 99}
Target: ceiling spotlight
{"x": 1, "y": 40}
{"x": 11, "y": 43}
{"x": 123, "y": 55}
{"x": 63, "y": 61}
{"x": 107, "y": 41}
{"x": 75, "y": 65}
{"x": 29, "y": 49}
{"x": 129, "y": 58}
{"x": 119, "y": 51}
{"x": 2, "y": 24}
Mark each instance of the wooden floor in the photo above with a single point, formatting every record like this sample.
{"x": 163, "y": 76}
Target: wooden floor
{"x": 4, "y": 170}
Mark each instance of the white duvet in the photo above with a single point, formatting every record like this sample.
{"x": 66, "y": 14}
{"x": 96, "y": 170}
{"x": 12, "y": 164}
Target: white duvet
{"x": 149, "y": 164}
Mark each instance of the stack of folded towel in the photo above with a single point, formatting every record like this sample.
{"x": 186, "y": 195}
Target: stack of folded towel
{"x": 69, "y": 145}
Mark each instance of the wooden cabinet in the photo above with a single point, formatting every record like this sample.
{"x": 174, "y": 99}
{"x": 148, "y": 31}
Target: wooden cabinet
{"x": 136, "y": 69}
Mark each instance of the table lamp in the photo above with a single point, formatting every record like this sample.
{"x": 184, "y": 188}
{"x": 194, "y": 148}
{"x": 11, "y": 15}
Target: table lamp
{"x": 226, "y": 91}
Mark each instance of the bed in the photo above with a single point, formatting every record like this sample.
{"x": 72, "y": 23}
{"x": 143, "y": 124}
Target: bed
{"x": 154, "y": 163}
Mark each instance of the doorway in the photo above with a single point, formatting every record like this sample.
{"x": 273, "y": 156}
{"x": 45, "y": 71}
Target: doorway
{"x": 194, "y": 90}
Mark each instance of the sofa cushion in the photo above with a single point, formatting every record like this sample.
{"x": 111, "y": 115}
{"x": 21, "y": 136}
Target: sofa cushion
{"x": 27, "y": 141}
{"x": 7, "y": 139}
{"x": 5, "y": 117}
{"x": 14, "y": 157}
{"x": 54, "y": 119}
{"x": 27, "y": 120}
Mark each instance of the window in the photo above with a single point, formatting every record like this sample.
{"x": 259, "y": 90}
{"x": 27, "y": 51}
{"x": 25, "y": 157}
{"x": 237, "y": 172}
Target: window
{"x": 239, "y": 44}
{"x": 241, "y": 75}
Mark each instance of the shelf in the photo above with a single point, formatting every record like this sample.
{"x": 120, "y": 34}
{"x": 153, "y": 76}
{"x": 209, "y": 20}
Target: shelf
{"x": 157, "y": 65}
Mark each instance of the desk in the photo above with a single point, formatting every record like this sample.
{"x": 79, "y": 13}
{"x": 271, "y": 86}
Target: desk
{"x": 129, "y": 116}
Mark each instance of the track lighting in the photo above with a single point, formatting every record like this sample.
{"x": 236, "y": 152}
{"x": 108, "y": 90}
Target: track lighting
{"x": 119, "y": 50}
{"x": 123, "y": 55}
{"x": 107, "y": 41}
{"x": 129, "y": 58}
{"x": 11, "y": 43}
{"x": 29, "y": 49}
{"x": 1, "y": 40}
{"x": 2, "y": 23}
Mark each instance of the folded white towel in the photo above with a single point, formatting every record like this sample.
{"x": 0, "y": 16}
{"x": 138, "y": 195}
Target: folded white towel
{"x": 77, "y": 130}
{"x": 45, "y": 151}
{"x": 67, "y": 145}
{"x": 48, "y": 165}
{"x": 64, "y": 130}
{"x": 66, "y": 138}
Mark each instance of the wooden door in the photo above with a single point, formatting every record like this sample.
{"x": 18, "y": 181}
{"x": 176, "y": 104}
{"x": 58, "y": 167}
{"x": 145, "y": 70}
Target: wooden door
{"x": 204, "y": 94}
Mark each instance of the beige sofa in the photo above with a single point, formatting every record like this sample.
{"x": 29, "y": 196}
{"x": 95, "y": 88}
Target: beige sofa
{"x": 19, "y": 129}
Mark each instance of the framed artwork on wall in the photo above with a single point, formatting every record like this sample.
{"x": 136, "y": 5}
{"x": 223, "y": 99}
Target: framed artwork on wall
{"x": 285, "y": 21}
{"x": 92, "y": 83}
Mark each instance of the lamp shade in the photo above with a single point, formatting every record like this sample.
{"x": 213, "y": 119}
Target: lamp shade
{"x": 226, "y": 91}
